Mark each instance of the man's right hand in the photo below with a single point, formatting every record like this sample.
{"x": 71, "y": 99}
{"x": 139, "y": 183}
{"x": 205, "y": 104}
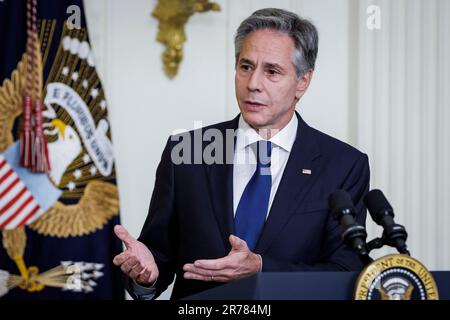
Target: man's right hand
{"x": 136, "y": 261}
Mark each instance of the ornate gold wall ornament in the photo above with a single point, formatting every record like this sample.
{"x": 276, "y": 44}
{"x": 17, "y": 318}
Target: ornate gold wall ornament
{"x": 173, "y": 16}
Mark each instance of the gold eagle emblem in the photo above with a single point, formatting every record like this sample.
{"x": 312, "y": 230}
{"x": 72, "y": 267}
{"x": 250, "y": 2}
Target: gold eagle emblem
{"x": 98, "y": 200}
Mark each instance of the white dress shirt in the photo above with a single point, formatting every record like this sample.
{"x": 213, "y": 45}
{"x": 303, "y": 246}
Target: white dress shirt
{"x": 244, "y": 163}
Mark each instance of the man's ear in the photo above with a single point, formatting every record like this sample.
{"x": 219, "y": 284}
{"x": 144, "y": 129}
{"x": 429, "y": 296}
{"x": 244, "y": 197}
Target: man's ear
{"x": 303, "y": 83}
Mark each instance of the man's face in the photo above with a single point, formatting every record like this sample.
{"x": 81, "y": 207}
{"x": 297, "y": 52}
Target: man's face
{"x": 266, "y": 83}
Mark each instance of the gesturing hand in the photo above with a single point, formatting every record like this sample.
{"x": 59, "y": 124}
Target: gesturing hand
{"x": 239, "y": 263}
{"x": 136, "y": 261}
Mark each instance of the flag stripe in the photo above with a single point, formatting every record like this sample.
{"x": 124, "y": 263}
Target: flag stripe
{"x": 5, "y": 176}
{"x": 22, "y": 213}
{"x": 17, "y": 204}
{"x": 28, "y": 217}
{"x": 4, "y": 167}
{"x": 12, "y": 216}
{"x": 12, "y": 201}
{"x": 10, "y": 197}
{"x": 9, "y": 187}
{"x": 2, "y": 162}
{"x": 7, "y": 182}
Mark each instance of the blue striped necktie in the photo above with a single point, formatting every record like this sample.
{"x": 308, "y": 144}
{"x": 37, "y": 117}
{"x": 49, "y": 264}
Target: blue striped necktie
{"x": 252, "y": 208}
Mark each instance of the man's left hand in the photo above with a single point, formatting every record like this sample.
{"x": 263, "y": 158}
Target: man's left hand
{"x": 239, "y": 263}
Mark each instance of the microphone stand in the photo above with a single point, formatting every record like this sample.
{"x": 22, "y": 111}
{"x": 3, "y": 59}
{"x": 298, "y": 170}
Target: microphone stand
{"x": 378, "y": 243}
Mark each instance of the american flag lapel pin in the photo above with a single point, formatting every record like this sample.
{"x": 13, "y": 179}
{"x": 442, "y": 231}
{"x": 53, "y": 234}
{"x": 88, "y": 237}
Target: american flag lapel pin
{"x": 306, "y": 171}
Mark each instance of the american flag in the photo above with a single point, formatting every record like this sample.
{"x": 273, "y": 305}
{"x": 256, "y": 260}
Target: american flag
{"x": 17, "y": 205}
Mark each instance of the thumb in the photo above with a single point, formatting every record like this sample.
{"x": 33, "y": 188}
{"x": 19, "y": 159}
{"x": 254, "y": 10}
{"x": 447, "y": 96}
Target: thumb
{"x": 123, "y": 235}
{"x": 237, "y": 244}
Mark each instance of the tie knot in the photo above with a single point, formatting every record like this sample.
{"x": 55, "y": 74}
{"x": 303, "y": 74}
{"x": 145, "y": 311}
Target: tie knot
{"x": 263, "y": 152}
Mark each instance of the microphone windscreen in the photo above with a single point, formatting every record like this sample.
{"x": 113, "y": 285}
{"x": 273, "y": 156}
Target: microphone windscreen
{"x": 377, "y": 204}
{"x": 338, "y": 201}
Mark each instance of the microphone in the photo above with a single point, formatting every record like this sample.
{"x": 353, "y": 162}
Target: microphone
{"x": 383, "y": 214}
{"x": 343, "y": 210}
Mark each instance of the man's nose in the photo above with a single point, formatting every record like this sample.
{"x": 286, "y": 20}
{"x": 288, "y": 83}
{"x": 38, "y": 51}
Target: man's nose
{"x": 255, "y": 81}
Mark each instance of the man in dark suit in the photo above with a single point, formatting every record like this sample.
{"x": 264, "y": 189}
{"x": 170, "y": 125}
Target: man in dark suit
{"x": 263, "y": 206}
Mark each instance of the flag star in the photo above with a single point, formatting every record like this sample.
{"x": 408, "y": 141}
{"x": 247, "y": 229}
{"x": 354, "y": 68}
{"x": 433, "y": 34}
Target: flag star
{"x": 85, "y": 83}
{"x": 103, "y": 104}
{"x": 65, "y": 71}
{"x": 77, "y": 174}
{"x": 94, "y": 93}
{"x": 93, "y": 170}
{"x": 75, "y": 76}
{"x": 86, "y": 158}
{"x": 71, "y": 185}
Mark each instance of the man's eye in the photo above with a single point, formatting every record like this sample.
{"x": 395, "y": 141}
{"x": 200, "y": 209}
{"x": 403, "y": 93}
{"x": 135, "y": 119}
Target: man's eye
{"x": 245, "y": 67}
{"x": 272, "y": 72}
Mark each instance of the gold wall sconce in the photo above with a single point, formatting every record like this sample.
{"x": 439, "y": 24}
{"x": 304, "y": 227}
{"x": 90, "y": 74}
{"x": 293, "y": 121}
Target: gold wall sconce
{"x": 173, "y": 16}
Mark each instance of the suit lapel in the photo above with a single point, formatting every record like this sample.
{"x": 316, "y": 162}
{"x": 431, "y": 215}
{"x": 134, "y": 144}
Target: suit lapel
{"x": 294, "y": 184}
{"x": 220, "y": 179}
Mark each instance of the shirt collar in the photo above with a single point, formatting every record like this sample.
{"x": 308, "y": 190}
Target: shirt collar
{"x": 284, "y": 138}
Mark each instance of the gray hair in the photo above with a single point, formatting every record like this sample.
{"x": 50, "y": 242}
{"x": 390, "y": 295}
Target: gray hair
{"x": 302, "y": 32}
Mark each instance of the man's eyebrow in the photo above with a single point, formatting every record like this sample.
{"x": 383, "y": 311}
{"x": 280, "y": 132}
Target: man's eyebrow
{"x": 248, "y": 61}
{"x": 268, "y": 65}
{"x": 273, "y": 66}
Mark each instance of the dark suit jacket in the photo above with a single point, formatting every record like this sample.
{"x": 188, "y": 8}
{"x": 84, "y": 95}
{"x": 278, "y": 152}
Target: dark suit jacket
{"x": 191, "y": 211}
